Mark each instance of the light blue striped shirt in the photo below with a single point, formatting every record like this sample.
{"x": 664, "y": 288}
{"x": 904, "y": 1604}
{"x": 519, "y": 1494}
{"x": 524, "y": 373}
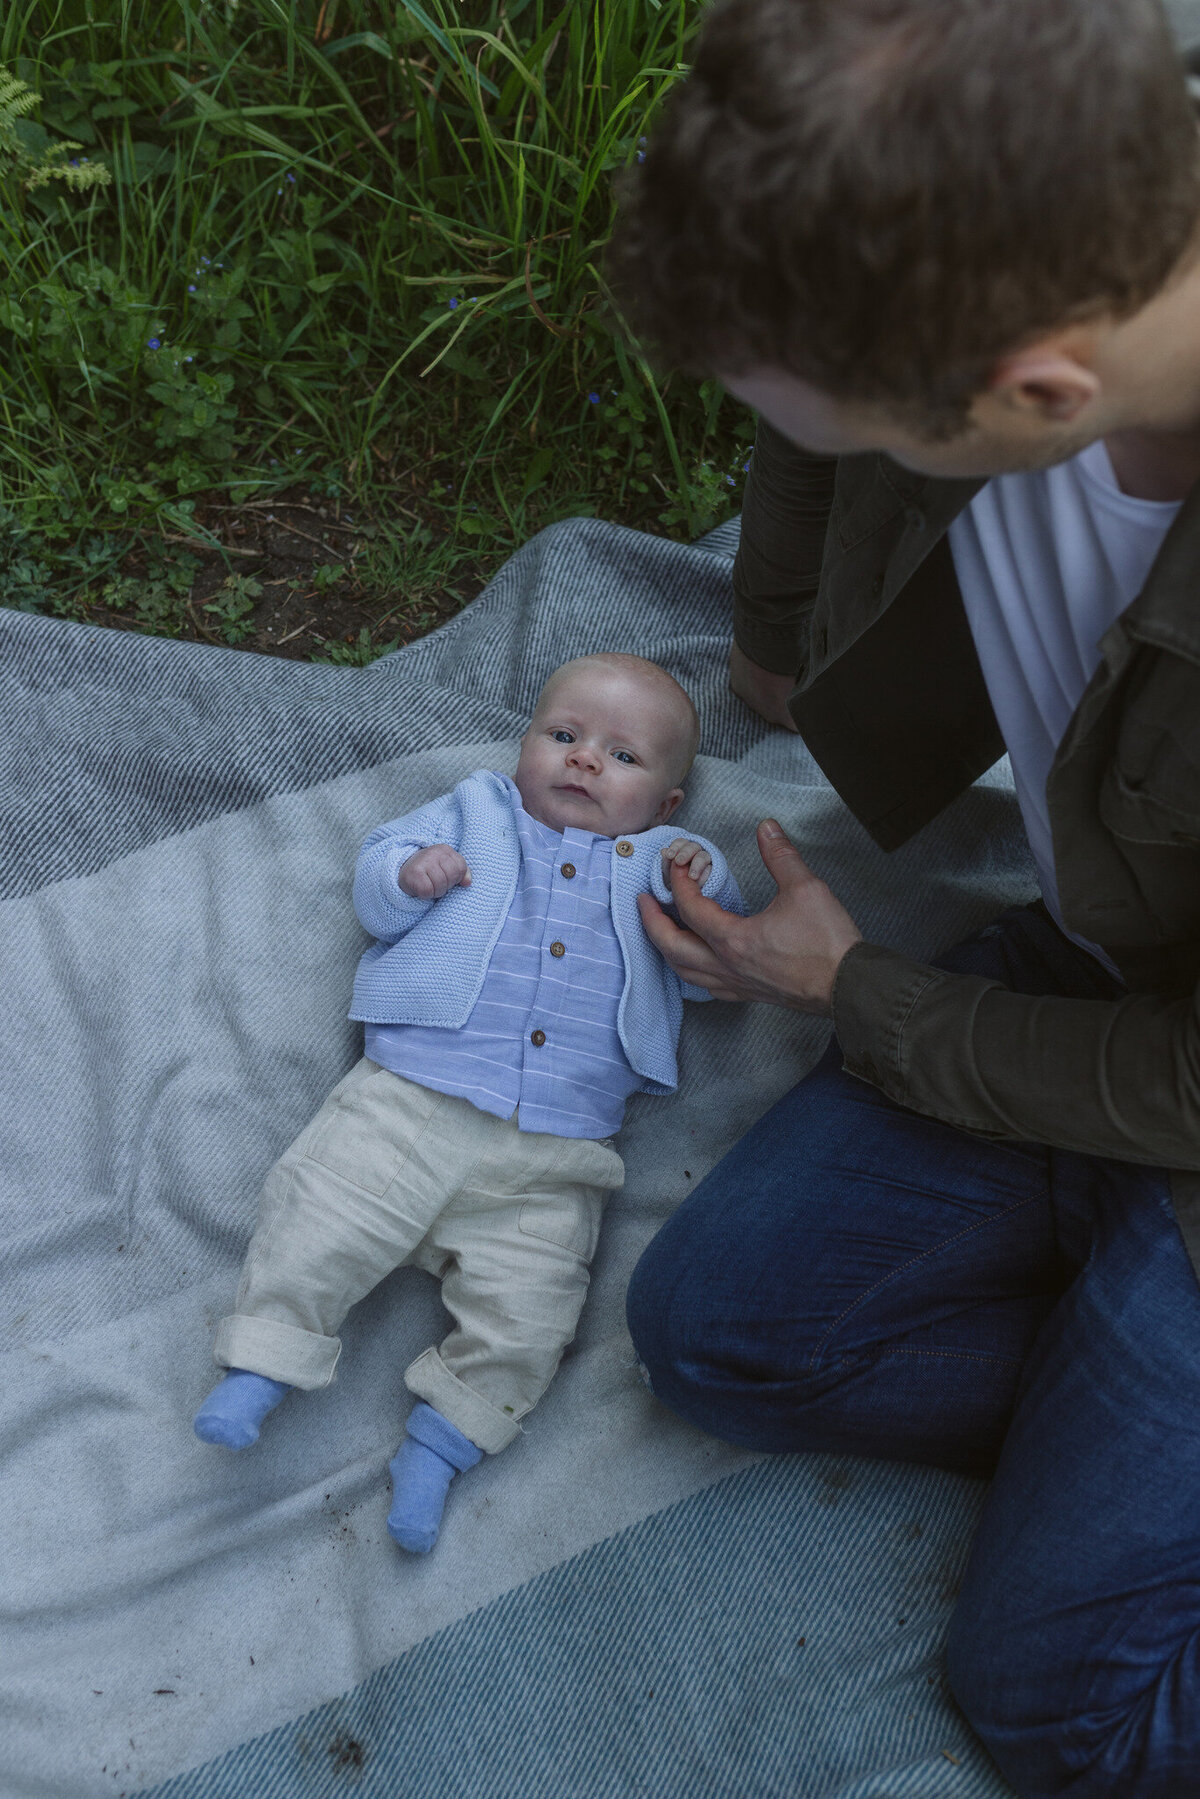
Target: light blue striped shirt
{"x": 542, "y": 1037}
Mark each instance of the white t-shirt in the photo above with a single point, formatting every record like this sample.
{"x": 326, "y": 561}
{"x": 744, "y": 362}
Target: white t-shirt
{"x": 1046, "y": 561}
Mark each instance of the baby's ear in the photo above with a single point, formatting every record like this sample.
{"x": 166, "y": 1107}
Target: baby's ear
{"x": 670, "y": 805}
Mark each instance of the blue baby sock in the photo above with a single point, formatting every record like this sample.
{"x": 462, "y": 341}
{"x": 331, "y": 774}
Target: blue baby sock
{"x": 432, "y": 1453}
{"x": 233, "y": 1412}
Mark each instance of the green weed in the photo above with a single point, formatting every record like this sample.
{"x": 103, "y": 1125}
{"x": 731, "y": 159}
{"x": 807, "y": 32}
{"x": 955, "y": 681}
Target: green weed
{"x": 156, "y": 601}
{"x": 328, "y": 242}
{"x": 326, "y": 575}
{"x": 357, "y": 654}
{"x": 233, "y": 608}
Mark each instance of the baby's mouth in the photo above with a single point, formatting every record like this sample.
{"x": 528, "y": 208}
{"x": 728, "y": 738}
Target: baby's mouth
{"x": 570, "y": 787}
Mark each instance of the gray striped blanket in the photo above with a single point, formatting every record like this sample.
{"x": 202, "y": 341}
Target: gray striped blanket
{"x": 619, "y": 1605}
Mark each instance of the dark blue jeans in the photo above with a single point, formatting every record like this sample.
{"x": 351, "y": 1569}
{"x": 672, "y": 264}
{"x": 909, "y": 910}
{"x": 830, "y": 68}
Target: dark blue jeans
{"x": 854, "y": 1277}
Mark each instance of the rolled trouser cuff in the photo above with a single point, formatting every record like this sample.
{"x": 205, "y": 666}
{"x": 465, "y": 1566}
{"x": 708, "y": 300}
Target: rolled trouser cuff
{"x": 280, "y": 1351}
{"x": 477, "y": 1418}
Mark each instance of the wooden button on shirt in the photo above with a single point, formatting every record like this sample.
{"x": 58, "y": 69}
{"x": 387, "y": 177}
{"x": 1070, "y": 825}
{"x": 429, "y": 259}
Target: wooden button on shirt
{"x": 556, "y": 965}
{"x": 624, "y": 849}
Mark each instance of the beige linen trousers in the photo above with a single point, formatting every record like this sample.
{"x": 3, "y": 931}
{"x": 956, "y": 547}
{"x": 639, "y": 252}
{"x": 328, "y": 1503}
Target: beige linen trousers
{"x": 389, "y": 1173}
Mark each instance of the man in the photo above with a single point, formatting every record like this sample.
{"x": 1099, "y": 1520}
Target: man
{"x": 950, "y": 250}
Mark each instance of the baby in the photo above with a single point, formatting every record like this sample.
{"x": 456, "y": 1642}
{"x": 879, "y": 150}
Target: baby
{"x": 512, "y": 1003}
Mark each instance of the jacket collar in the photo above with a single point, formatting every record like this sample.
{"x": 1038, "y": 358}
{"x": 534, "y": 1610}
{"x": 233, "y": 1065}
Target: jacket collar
{"x": 1167, "y": 611}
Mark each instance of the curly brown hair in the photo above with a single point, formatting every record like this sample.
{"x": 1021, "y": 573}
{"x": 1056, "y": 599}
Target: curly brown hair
{"x": 883, "y": 196}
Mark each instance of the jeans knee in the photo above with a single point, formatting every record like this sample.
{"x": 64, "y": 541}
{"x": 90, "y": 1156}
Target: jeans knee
{"x": 648, "y": 1312}
{"x": 680, "y": 1347}
{"x": 970, "y": 1671}
{"x": 991, "y": 1695}
{"x": 1011, "y": 1696}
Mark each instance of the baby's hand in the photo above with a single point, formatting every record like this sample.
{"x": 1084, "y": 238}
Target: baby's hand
{"x": 686, "y": 854}
{"x": 432, "y": 872}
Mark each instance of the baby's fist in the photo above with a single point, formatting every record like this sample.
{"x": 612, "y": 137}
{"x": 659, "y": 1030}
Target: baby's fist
{"x": 432, "y": 872}
{"x": 683, "y": 853}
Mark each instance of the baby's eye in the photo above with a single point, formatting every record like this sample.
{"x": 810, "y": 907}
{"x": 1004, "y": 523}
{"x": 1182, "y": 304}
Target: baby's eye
{"x": 563, "y": 736}
{"x": 624, "y": 756}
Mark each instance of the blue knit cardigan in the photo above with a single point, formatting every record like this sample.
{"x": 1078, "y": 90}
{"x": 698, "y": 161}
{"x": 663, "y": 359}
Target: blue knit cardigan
{"x": 430, "y": 957}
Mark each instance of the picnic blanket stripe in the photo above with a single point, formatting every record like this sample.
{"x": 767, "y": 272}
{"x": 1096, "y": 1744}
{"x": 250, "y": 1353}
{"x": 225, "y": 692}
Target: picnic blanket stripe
{"x": 620, "y": 1672}
{"x": 113, "y": 740}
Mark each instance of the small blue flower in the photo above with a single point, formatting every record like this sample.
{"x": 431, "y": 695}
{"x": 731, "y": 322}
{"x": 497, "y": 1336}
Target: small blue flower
{"x": 474, "y": 299}
{"x": 729, "y": 481}
{"x": 204, "y": 259}
{"x": 641, "y": 156}
{"x": 292, "y": 179}
{"x": 278, "y": 190}
{"x": 452, "y": 304}
{"x": 189, "y": 359}
{"x": 593, "y": 399}
{"x": 74, "y": 162}
{"x": 191, "y": 287}
{"x": 745, "y": 468}
{"x": 154, "y": 343}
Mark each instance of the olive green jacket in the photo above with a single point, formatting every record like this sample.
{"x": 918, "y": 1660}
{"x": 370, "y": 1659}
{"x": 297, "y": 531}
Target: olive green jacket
{"x": 844, "y": 579}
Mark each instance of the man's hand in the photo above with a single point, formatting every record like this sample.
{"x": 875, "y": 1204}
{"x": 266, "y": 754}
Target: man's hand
{"x": 786, "y": 955}
{"x": 432, "y": 872}
{"x": 688, "y": 857}
{"x": 763, "y": 692}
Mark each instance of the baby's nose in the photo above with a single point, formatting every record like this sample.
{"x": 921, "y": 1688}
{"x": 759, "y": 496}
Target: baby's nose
{"x": 583, "y": 756}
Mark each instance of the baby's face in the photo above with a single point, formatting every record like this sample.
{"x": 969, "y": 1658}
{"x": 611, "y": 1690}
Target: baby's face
{"x": 602, "y": 754}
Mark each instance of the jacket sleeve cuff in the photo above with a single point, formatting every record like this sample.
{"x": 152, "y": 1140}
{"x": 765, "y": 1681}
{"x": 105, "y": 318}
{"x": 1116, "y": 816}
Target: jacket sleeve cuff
{"x": 909, "y": 1029}
{"x": 383, "y": 907}
{"x": 775, "y": 647}
{"x": 874, "y": 992}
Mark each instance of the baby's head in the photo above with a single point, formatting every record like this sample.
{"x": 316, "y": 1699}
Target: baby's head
{"x": 610, "y": 742}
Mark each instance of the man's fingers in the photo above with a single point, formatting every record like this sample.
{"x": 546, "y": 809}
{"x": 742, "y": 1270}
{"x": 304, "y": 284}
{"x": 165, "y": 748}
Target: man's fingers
{"x": 661, "y": 930}
{"x": 783, "y": 860}
{"x": 704, "y": 916}
{"x": 687, "y": 953}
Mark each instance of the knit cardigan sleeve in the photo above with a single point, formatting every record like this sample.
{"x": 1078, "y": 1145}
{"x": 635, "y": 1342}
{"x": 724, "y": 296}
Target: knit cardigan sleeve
{"x": 719, "y": 886}
{"x": 383, "y": 908}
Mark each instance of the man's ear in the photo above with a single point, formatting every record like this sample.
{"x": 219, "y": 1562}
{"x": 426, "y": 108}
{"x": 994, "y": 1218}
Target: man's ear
{"x": 1051, "y": 380}
{"x": 671, "y": 804}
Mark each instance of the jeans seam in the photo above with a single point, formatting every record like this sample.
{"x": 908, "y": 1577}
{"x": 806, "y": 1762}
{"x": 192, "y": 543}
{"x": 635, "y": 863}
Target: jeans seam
{"x": 895, "y": 1273}
{"x": 960, "y": 1355}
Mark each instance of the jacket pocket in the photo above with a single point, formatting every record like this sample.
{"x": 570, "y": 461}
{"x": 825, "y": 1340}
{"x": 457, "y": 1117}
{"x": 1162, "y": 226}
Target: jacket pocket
{"x": 1160, "y": 804}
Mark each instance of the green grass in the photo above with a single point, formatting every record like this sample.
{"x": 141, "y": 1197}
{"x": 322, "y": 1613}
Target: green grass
{"x": 353, "y": 245}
